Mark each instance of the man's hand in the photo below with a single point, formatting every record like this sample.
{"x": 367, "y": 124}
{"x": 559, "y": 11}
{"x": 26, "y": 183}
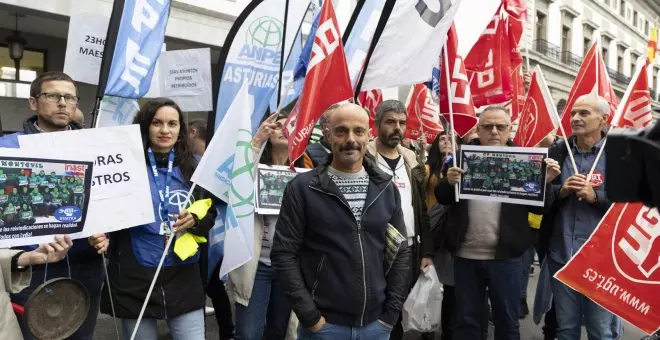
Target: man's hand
{"x": 587, "y": 193}
{"x": 319, "y": 326}
{"x": 49, "y": 252}
{"x": 553, "y": 170}
{"x": 100, "y": 242}
{"x": 572, "y": 185}
{"x": 454, "y": 175}
{"x": 426, "y": 262}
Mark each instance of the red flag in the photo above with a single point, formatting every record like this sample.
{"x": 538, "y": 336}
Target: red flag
{"x": 423, "y": 114}
{"x": 619, "y": 266}
{"x": 462, "y": 105}
{"x": 518, "y": 97}
{"x": 493, "y": 58}
{"x": 537, "y": 117}
{"x": 585, "y": 83}
{"x": 327, "y": 82}
{"x": 370, "y": 100}
{"x": 635, "y": 109}
{"x": 516, "y": 8}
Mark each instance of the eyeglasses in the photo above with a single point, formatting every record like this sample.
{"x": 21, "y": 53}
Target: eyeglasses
{"x": 489, "y": 127}
{"x": 56, "y": 97}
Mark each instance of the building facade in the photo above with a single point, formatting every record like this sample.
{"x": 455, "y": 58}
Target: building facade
{"x": 560, "y": 32}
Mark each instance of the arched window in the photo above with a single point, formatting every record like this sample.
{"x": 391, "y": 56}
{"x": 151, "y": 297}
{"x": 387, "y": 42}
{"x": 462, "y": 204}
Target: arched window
{"x": 560, "y": 106}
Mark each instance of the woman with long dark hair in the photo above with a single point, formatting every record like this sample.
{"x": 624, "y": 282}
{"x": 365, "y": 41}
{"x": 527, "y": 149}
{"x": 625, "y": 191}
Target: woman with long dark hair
{"x": 262, "y": 309}
{"x": 439, "y": 150}
{"x": 178, "y": 296}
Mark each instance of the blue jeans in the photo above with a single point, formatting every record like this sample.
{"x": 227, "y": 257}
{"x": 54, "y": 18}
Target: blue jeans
{"x": 268, "y": 308}
{"x": 572, "y": 307}
{"x": 189, "y": 326}
{"x": 89, "y": 273}
{"x": 502, "y": 279}
{"x": 527, "y": 260}
{"x": 372, "y": 331}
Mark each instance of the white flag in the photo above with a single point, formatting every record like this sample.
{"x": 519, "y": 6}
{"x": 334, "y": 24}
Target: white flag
{"x": 410, "y": 44}
{"x": 227, "y": 171}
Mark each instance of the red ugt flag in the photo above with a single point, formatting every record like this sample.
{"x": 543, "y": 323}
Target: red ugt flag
{"x": 423, "y": 116}
{"x": 619, "y": 266}
{"x": 465, "y": 117}
{"x": 537, "y": 117}
{"x": 370, "y": 100}
{"x": 327, "y": 82}
{"x": 518, "y": 98}
{"x": 585, "y": 83}
{"x": 635, "y": 109}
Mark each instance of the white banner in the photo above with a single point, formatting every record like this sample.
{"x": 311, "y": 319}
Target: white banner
{"x": 116, "y": 111}
{"x": 120, "y": 196}
{"x": 185, "y": 77}
{"x": 85, "y": 44}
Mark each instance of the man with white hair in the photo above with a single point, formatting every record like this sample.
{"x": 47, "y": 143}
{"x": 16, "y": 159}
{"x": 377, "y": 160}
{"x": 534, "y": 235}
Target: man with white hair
{"x": 578, "y": 206}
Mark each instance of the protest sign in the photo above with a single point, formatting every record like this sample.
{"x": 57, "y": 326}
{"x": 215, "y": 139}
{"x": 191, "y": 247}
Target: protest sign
{"x": 185, "y": 76}
{"x": 270, "y": 184}
{"x": 619, "y": 265}
{"x": 85, "y": 45}
{"x": 120, "y": 194}
{"x": 503, "y": 174}
{"x": 41, "y": 197}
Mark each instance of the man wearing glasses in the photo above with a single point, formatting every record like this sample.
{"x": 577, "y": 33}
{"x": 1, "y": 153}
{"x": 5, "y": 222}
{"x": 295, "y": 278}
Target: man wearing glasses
{"x": 487, "y": 240}
{"x": 54, "y": 99}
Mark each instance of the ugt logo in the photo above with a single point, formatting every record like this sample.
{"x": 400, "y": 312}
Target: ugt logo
{"x": 636, "y": 243}
{"x": 325, "y": 42}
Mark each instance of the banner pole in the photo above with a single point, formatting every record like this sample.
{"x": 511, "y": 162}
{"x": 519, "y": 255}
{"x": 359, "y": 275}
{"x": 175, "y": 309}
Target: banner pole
{"x": 160, "y": 266}
{"x": 451, "y": 112}
{"x": 279, "y": 83}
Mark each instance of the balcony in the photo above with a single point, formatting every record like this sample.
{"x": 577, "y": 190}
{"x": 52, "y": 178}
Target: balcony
{"x": 618, "y": 77}
{"x": 555, "y": 53}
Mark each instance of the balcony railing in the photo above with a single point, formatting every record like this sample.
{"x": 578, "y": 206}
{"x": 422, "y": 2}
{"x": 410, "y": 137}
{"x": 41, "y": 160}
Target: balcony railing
{"x": 554, "y": 52}
{"x": 618, "y": 77}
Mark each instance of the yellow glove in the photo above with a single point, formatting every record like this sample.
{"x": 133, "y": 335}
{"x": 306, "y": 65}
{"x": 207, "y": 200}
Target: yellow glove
{"x": 186, "y": 245}
{"x": 534, "y": 220}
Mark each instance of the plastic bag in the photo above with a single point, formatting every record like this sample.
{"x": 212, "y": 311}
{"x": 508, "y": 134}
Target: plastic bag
{"x": 421, "y": 311}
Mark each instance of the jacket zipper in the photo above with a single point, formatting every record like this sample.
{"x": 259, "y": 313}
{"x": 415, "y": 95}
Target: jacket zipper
{"x": 318, "y": 275}
{"x": 359, "y": 225}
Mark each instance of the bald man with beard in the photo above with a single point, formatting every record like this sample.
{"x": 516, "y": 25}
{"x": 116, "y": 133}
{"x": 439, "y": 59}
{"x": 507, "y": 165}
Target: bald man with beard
{"x": 340, "y": 247}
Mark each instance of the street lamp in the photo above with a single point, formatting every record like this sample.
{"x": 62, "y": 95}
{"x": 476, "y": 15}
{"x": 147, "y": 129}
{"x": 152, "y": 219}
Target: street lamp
{"x": 16, "y": 48}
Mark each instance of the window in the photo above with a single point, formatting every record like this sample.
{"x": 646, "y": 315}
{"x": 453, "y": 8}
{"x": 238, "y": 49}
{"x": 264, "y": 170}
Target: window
{"x": 635, "y": 17}
{"x": 541, "y": 26}
{"x": 619, "y": 59}
{"x": 647, "y": 28}
{"x": 588, "y": 32}
{"x": 32, "y": 65}
{"x": 622, "y": 8}
{"x": 606, "y": 54}
{"x": 633, "y": 62}
{"x": 566, "y": 39}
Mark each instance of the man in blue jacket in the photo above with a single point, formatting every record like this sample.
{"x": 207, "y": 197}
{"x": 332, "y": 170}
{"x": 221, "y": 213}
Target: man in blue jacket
{"x": 54, "y": 99}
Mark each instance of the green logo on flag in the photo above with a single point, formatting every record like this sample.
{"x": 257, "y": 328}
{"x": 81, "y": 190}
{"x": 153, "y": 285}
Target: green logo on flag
{"x": 265, "y": 32}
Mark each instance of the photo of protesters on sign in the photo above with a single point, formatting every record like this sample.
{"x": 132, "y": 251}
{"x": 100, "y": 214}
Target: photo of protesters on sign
{"x": 42, "y": 197}
{"x": 271, "y": 181}
{"x": 503, "y": 174}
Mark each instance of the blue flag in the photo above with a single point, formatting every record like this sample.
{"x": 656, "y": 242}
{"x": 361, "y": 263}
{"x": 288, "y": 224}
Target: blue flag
{"x": 300, "y": 70}
{"x": 139, "y": 42}
{"x": 291, "y": 86}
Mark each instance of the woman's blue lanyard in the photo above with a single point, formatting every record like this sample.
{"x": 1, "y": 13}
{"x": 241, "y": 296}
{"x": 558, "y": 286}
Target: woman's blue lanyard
{"x": 163, "y": 193}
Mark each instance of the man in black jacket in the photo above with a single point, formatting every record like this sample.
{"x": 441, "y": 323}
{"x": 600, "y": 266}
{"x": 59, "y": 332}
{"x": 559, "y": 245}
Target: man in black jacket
{"x": 487, "y": 240}
{"x": 340, "y": 246}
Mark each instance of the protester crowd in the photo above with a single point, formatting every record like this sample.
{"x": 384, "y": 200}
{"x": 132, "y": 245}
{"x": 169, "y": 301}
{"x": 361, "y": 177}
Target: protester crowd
{"x": 349, "y": 242}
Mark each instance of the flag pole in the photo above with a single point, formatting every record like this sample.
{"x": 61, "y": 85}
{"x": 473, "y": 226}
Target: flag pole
{"x": 160, "y": 266}
{"x": 527, "y": 59}
{"x": 451, "y": 113}
{"x": 279, "y": 83}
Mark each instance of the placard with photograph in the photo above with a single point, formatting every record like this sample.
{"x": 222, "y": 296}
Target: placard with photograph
{"x": 270, "y": 184}
{"x": 42, "y": 196}
{"x": 503, "y": 174}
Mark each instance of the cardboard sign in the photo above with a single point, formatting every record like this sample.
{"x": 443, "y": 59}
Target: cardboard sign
{"x": 120, "y": 192}
{"x": 185, "y": 77}
{"x": 619, "y": 266}
{"x": 85, "y": 45}
{"x": 41, "y": 197}
{"x": 503, "y": 174}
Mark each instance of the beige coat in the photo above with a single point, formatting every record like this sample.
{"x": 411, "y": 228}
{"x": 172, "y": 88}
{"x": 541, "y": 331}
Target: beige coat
{"x": 10, "y": 282}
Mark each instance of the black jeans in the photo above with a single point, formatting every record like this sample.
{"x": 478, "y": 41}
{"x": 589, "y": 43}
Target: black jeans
{"x": 216, "y": 291}
{"x": 90, "y": 273}
{"x": 448, "y": 321}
